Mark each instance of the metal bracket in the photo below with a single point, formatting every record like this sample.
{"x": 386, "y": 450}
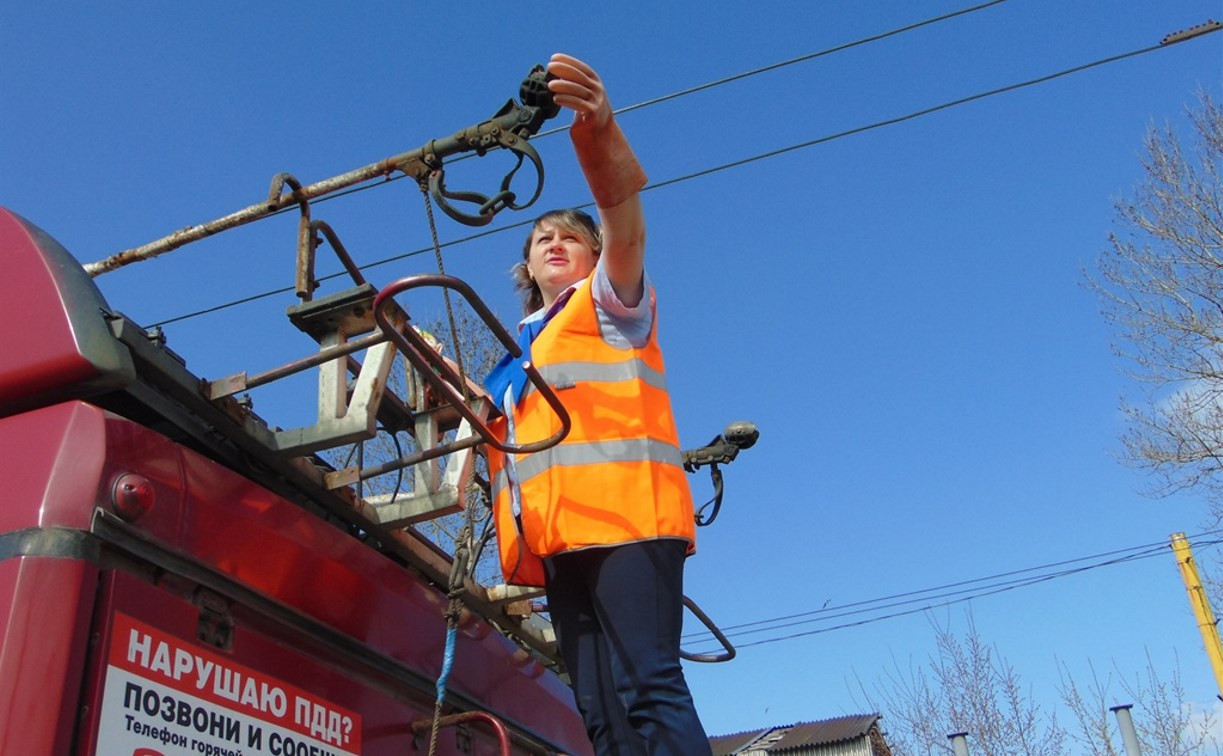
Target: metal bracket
{"x": 344, "y": 416}
{"x": 435, "y": 492}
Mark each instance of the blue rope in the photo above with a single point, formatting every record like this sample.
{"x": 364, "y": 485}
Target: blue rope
{"x": 447, "y": 663}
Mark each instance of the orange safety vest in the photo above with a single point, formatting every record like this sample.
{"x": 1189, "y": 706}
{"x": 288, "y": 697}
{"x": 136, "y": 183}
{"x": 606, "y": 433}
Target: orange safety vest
{"x": 618, "y": 476}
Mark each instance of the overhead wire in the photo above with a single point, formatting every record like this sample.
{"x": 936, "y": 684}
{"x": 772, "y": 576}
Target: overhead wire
{"x": 907, "y": 117}
{"x": 929, "y": 598}
{"x": 628, "y": 108}
{"x": 972, "y": 593}
{"x": 340, "y": 274}
{"x": 946, "y": 586}
{"x": 702, "y": 87}
{"x": 801, "y": 59}
{"x": 903, "y": 613}
{"x": 709, "y": 171}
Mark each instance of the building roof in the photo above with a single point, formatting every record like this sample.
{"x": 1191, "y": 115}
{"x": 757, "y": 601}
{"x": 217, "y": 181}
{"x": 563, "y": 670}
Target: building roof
{"x": 724, "y": 745}
{"x": 800, "y": 735}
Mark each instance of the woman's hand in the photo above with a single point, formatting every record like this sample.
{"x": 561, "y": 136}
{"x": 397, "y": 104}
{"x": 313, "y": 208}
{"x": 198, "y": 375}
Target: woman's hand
{"x": 580, "y": 89}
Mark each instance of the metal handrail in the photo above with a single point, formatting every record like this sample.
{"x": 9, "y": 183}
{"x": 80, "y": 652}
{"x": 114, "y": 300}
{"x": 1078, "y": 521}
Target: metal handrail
{"x": 423, "y": 726}
{"x": 307, "y": 247}
{"x": 443, "y": 377}
{"x": 727, "y": 655}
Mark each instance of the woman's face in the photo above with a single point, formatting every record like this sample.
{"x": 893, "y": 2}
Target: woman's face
{"x": 557, "y": 258}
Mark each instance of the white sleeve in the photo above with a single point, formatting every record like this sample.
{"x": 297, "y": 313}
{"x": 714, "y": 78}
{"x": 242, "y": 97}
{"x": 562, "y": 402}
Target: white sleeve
{"x": 619, "y": 323}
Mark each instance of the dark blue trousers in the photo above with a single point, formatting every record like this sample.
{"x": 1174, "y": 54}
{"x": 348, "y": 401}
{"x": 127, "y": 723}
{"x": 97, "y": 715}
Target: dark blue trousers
{"x": 618, "y": 615}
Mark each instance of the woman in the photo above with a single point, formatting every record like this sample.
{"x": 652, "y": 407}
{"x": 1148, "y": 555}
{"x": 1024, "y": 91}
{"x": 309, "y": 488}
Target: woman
{"x": 604, "y": 519}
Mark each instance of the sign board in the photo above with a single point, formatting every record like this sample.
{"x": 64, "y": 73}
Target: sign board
{"x": 164, "y": 696}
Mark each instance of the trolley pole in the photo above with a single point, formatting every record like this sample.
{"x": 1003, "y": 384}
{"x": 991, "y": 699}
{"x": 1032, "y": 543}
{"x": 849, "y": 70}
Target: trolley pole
{"x": 1201, "y": 605}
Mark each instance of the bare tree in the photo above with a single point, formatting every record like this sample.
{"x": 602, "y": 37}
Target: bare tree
{"x": 1161, "y": 283}
{"x": 1164, "y": 721}
{"x": 1090, "y": 708}
{"x": 966, "y": 687}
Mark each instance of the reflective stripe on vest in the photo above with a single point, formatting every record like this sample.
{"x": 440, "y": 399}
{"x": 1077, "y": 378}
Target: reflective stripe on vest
{"x": 563, "y": 375}
{"x": 590, "y": 453}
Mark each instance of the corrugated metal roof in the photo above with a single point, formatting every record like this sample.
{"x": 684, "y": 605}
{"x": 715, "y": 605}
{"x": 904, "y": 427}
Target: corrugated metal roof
{"x": 825, "y": 732}
{"x": 799, "y": 735}
{"x": 725, "y": 745}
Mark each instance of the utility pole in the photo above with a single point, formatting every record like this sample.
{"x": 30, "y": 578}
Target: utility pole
{"x": 1201, "y": 606}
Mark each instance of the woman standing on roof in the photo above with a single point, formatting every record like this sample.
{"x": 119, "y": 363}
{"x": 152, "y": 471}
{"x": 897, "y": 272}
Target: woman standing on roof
{"x": 604, "y": 519}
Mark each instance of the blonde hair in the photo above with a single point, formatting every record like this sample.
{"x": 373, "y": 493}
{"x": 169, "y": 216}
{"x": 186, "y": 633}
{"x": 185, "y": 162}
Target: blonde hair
{"x": 570, "y": 219}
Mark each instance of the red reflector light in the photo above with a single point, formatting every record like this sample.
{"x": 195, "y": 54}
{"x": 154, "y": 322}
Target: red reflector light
{"x": 132, "y": 496}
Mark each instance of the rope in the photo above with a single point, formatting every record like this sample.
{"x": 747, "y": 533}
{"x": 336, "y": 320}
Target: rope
{"x": 441, "y": 269}
{"x": 454, "y": 609}
{"x": 447, "y": 661}
{"x": 462, "y": 552}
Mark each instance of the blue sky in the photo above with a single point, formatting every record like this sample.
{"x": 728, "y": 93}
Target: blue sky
{"x": 901, "y": 311}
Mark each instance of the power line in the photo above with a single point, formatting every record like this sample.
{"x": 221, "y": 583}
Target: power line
{"x": 1120, "y": 556}
{"x": 626, "y": 109}
{"x": 725, "y": 166}
{"x": 739, "y": 163}
{"x": 804, "y": 58}
{"x": 702, "y": 87}
{"x": 908, "y": 117}
{"x": 972, "y": 593}
{"x": 906, "y": 612}
{"x": 946, "y": 586}
{"x": 1132, "y": 554}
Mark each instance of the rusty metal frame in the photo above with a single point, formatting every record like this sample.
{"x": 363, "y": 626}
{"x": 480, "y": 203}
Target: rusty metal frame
{"x": 424, "y": 726}
{"x": 232, "y": 384}
{"x": 344, "y": 416}
{"x": 510, "y": 128}
{"x": 444, "y": 378}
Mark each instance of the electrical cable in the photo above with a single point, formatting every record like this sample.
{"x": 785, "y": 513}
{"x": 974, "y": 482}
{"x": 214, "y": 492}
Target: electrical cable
{"x": 901, "y": 119}
{"x": 914, "y": 610}
{"x": 957, "y": 584}
{"x": 1135, "y": 553}
{"x": 709, "y": 171}
{"x": 974, "y": 593}
{"x": 800, "y": 59}
{"x": 626, "y": 109}
{"x": 1132, "y": 553}
{"x": 702, "y": 87}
